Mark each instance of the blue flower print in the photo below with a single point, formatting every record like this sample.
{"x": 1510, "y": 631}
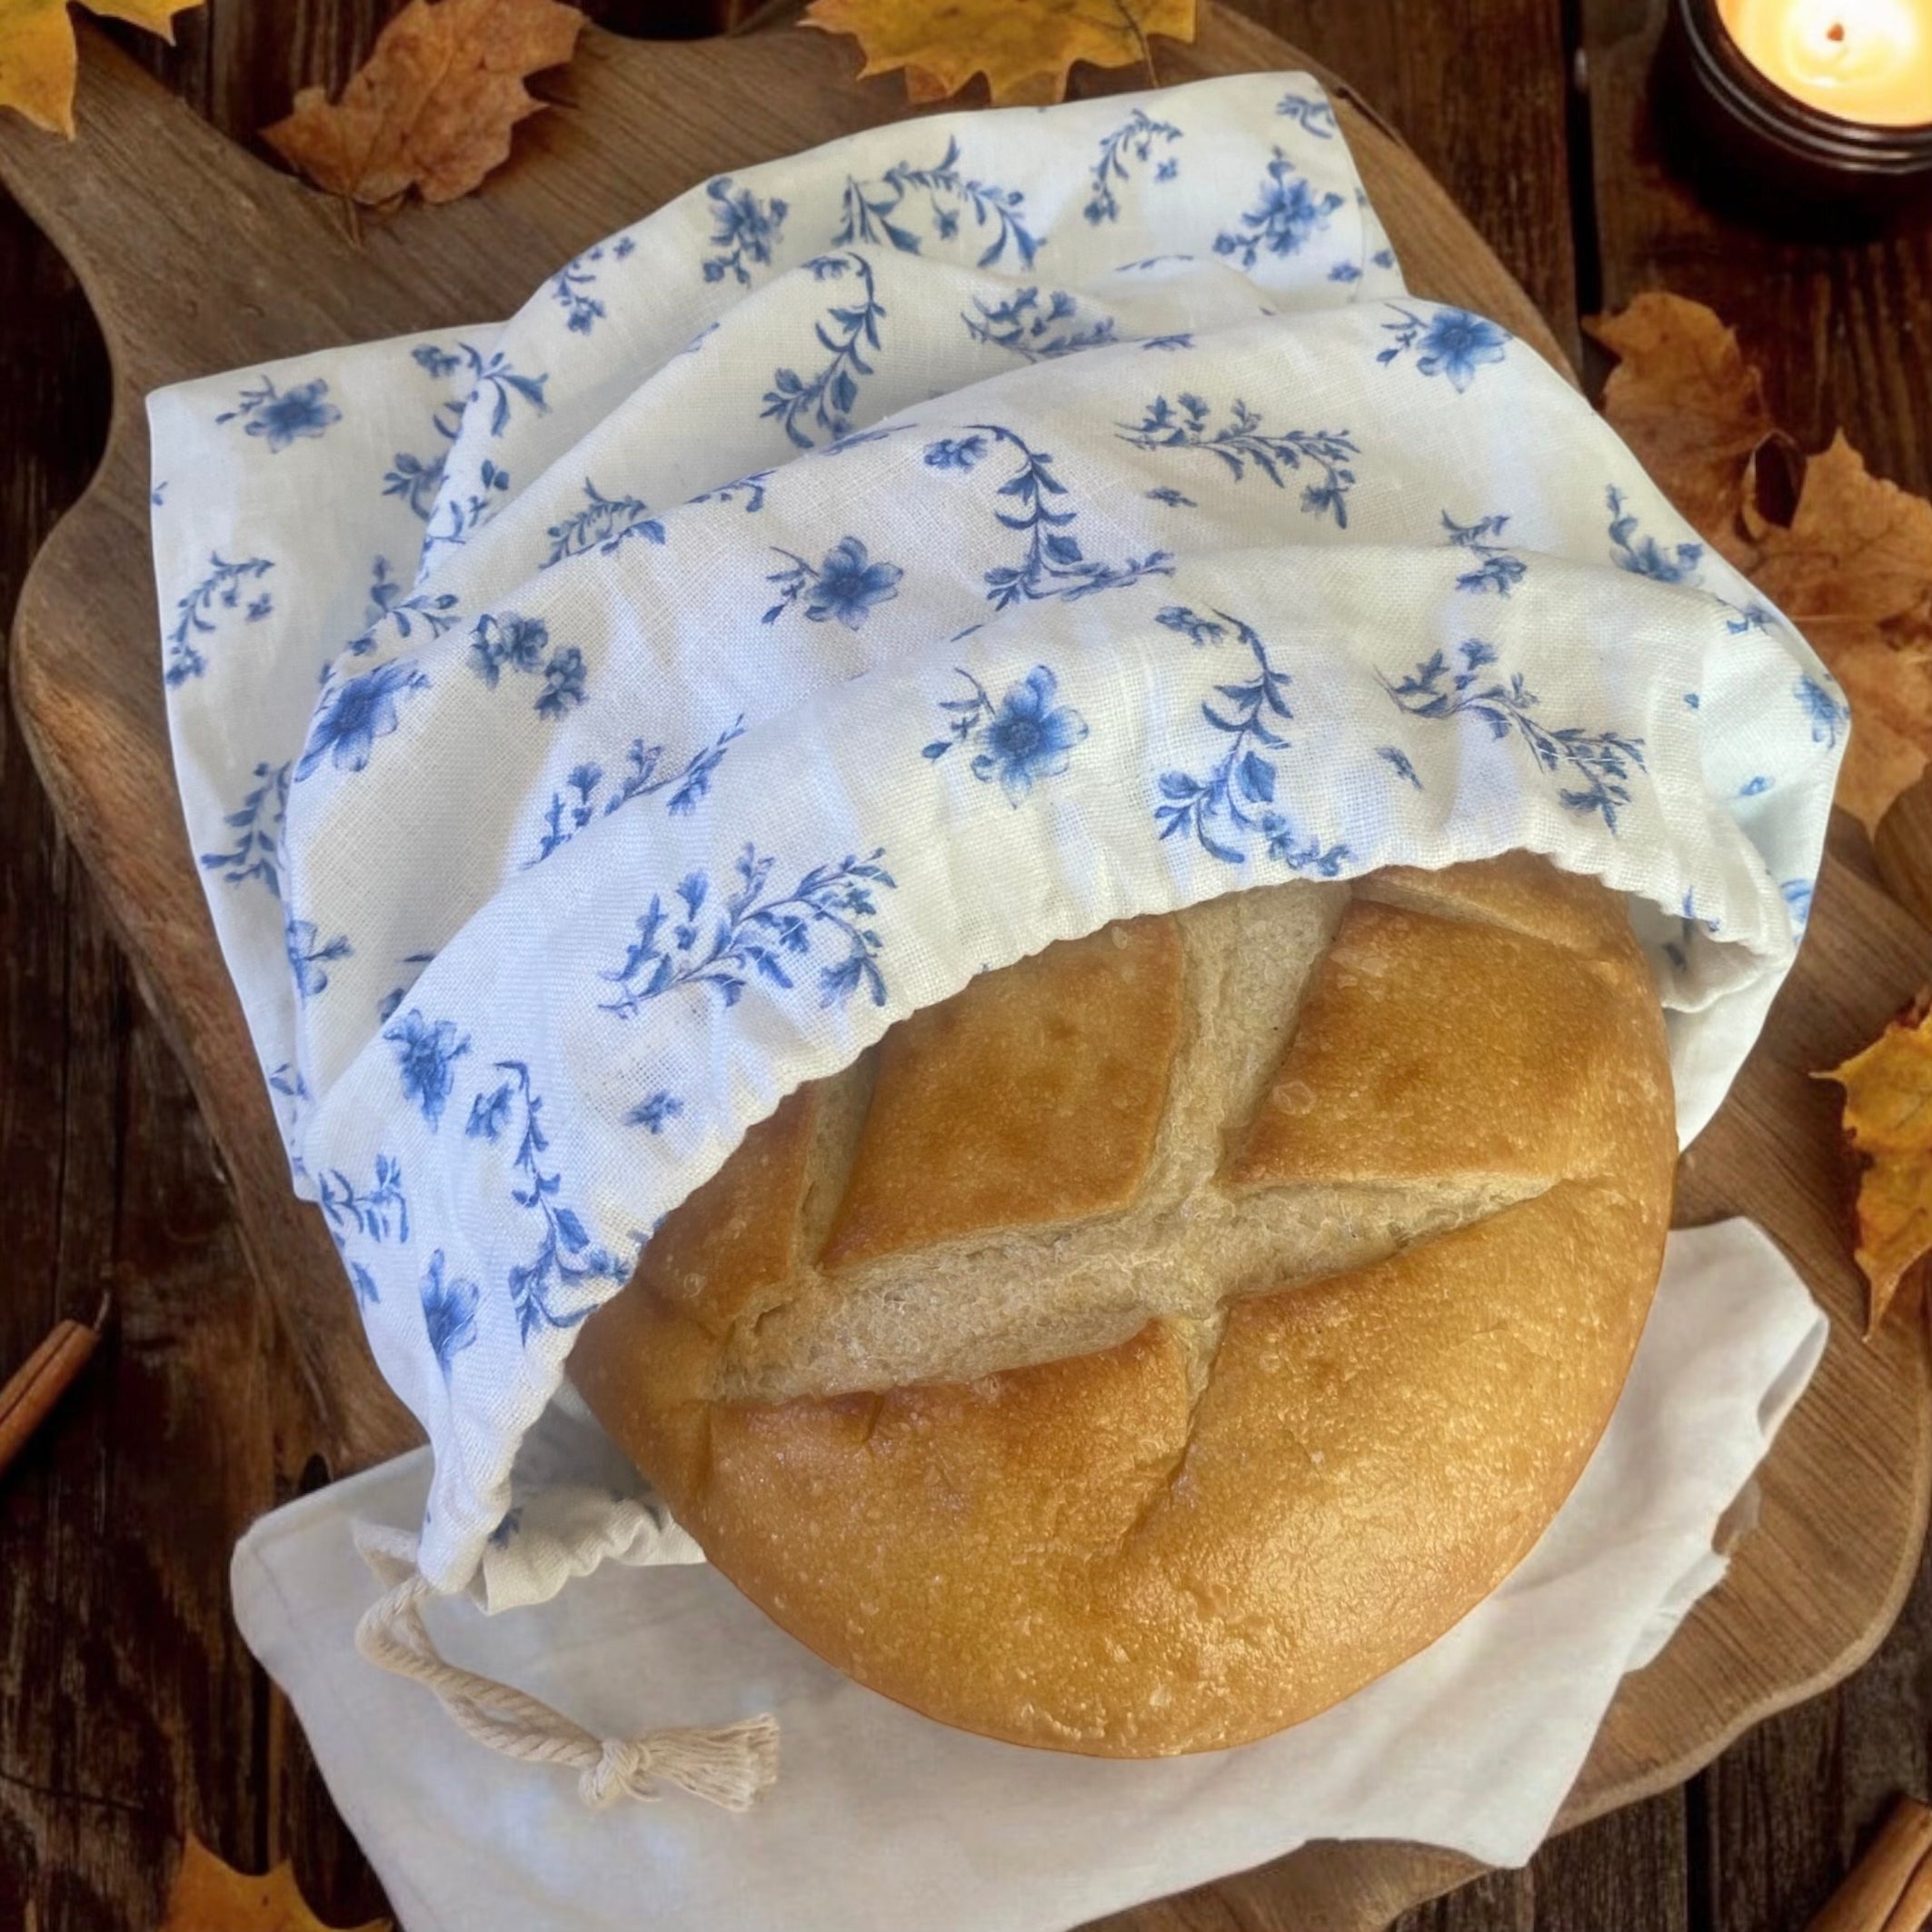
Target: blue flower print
{"x": 355, "y": 714}
{"x": 1309, "y": 112}
{"x": 1235, "y": 799}
{"x": 1397, "y": 760}
{"x": 197, "y": 612}
{"x": 279, "y": 418}
{"x": 1285, "y": 214}
{"x": 1797, "y": 896}
{"x": 876, "y": 210}
{"x": 417, "y": 480}
{"x": 504, "y": 384}
{"x": 828, "y": 395}
{"x": 1829, "y": 713}
{"x": 1756, "y": 787}
{"x": 1134, "y": 140}
{"x": 1644, "y": 556}
{"x": 584, "y": 797}
{"x": 511, "y": 642}
{"x": 449, "y": 1313}
{"x": 310, "y": 956}
{"x": 652, "y": 1112}
{"x": 564, "y": 683}
{"x": 1599, "y": 762}
{"x": 566, "y": 1256}
{"x": 1038, "y": 330}
{"x": 1026, "y": 736}
{"x": 758, "y": 932}
{"x": 467, "y": 513}
{"x": 374, "y": 1214}
{"x": 1496, "y": 568}
{"x": 846, "y": 585}
{"x": 1241, "y": 441}
{"x": 435, "y": 610}
{"x": 1053, "y": 563}
{"x": 490, "y": 1113}
{"x": 1197, "y": 630}
{"x": 570, "y": 286}
{"x": 604, "y": 524}
{"x": 427, "y": 1051}
{"x": 501, "y": 1537}
{"x": 955, "y": 453}
{"x": 256, "y": 823}
{"x": 1450, "y": 343}
{"x": 752, "y": 488}
{"x": 744, "y": 229}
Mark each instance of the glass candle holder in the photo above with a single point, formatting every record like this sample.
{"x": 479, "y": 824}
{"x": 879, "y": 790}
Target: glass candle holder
{"x": 1751, "y": 148}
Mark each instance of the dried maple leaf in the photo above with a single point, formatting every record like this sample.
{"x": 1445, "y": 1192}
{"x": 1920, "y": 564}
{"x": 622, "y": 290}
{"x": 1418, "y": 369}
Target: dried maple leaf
{"x": 209, "y": 1895}
{"x": 432, "y": 106}
{"x": 1685, "y": 399}
{"x": 1023, "y": 47}
{"x": 1888, "y": 1121}
{"x": 1849, "y": 559}
{"x": 1854, "y": 572}
{"x": 39, "y": 62}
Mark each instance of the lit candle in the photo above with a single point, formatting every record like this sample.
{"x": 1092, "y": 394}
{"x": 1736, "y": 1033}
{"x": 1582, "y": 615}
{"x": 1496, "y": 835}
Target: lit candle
{"x": 1862, "y": 60}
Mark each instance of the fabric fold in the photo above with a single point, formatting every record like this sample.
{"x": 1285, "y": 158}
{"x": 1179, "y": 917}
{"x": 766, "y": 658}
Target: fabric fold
{"x": 863, "y": 572}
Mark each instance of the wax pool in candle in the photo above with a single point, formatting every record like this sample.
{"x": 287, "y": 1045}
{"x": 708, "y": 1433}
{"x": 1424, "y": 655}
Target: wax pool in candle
{"x": 1866, "y": 60}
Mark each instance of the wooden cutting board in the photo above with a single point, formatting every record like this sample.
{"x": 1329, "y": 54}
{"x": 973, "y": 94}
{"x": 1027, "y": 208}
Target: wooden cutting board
{"x": 198, "y": 257}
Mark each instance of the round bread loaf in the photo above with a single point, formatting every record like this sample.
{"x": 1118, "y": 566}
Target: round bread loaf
{"x": 1172, "y": 1332}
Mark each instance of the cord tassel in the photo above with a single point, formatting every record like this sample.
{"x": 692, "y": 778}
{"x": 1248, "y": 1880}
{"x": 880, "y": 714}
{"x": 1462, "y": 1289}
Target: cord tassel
{"x": 728, "y": 1766}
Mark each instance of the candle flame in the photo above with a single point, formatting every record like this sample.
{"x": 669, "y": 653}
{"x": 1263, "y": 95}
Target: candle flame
{"x": 1865, "y": 60}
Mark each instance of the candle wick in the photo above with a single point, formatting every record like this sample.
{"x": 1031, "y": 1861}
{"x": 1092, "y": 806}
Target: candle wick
{"x": 1836, "y": 31}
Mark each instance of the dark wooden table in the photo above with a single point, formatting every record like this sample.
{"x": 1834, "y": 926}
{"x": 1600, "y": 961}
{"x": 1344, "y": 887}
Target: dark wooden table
{"x": 129, "y": 1712}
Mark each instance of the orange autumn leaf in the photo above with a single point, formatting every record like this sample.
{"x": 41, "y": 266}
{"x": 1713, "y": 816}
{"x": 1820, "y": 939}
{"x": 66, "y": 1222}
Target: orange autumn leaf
{"x": 1853, "y": 571}
{"x": 1023, "y": 47}
{"x": 1685, "y": 399}
{"x": 1888, "y": 1121}
{"x": 432, "y": 106}
{"x": 1852, "y": 568}
{"x": 39, "y": 62}
{"x": 210, "y": 1896}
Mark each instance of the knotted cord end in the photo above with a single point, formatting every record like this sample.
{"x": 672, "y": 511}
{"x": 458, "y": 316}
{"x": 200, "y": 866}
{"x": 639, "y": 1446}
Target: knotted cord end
{"x": 728, "y": 1766}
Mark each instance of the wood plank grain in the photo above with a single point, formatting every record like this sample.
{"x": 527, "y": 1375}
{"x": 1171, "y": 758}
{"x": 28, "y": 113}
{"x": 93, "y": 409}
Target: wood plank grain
{"x": 1486, "y": 138}
{"x": 129, "y": 1712}
{"x": 1627, "y": 1871}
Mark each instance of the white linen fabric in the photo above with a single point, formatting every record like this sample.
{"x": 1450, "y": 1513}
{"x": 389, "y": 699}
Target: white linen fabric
{"x": 882, "y": 1820}
{"x": 863, "y": 572}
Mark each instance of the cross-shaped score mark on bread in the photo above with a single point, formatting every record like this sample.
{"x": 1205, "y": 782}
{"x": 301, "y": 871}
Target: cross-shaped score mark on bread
{"x": 1171, "y": 1332}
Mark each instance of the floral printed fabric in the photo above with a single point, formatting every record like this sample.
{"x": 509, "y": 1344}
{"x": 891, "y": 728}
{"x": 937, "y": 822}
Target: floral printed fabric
{"x": 864, "y": 571}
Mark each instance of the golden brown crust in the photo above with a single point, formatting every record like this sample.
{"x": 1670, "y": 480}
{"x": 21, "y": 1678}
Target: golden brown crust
{"x": 1067, "y": 1051}
{"x": 1246, "y": 1509}
{"x": 739, "y": 1233}
{"x": 1378, "y": 1084}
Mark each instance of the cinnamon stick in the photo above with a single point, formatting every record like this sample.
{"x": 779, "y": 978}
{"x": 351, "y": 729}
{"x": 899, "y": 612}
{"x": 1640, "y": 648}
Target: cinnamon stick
{"x": 41, "y": 1381}
{"x": 1874, "y": 1890}
{"x": 1914, "y": 1902}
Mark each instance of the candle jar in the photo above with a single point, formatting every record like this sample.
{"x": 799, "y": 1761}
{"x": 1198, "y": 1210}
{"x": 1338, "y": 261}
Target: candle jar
{"x": 1751, "y": 148}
